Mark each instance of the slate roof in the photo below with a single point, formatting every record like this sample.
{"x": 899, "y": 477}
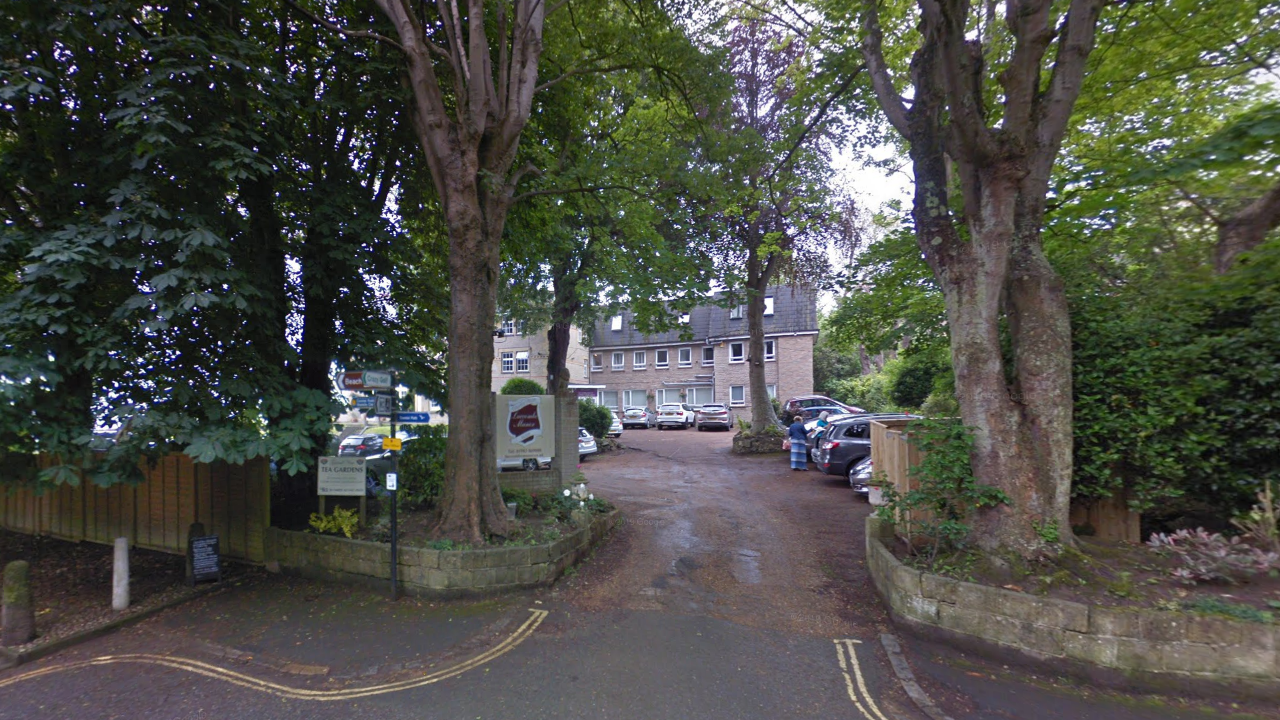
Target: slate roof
{"x": 795, "y": 310}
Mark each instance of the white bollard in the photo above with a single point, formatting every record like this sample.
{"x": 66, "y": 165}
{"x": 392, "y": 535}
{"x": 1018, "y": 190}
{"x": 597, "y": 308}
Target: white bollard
{"x": 120, "y": 576}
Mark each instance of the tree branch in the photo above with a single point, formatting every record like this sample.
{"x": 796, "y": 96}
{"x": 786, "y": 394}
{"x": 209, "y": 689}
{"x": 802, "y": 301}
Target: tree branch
{"x": 572, "y": 191}
{"x": 368, "y": 34}
{"x": 581, "y": 71}
{"x": 821, "y": 113}
{"x": 895, "y": 108}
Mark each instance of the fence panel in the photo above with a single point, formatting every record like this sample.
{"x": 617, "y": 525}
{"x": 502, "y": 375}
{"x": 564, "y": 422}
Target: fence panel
{"x": 233, "y": 502}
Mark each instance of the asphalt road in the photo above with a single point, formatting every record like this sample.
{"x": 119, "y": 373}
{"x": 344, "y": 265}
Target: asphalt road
{"x": 735, "y": 588}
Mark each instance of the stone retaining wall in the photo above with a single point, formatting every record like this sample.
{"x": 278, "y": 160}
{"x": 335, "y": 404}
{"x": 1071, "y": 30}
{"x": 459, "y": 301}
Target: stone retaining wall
{"x": 423, "y": 571}
{"x": 1166, "y": 650}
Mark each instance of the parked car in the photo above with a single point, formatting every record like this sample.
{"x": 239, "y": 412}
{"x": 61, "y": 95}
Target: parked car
{"x": 361, "y": 445}
{"x": 615, "y": 427}
{"x": 848, "y": 441}
{"x": 813, "y": 412}
{"x": 523, "y": 463}
{"x": 586, "y": 444}
{"x": 860, "y": 477}
{"x": 675, "y": 415}
{"x": 714, "y": 415}
{"x": 641, "y": 417}
{"x": 793, "y": 406}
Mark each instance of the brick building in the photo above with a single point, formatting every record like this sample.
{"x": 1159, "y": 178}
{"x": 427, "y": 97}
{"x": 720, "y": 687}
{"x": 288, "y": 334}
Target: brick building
{"x": 518, "y": 355}
{"x": 629, "y": 368}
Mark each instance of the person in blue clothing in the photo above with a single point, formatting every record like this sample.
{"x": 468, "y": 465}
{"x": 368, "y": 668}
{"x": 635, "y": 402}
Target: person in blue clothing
{"x": 799, "y": 450}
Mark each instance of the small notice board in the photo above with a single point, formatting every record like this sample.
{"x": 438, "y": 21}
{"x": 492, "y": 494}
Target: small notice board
{"x": 206, "y": 565}
{"x": 343, "y": 476}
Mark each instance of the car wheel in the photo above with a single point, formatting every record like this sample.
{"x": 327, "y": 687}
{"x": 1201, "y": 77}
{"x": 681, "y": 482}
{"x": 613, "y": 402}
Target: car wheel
{"x": 529, "y": 464}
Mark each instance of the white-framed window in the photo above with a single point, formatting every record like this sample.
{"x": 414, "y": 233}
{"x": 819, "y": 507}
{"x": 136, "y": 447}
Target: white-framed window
{"x": 635, "y": 398}
{"x": 508, "y": 327}
{"x": 617, "y": 361}
{"x": 668, "y": 395}
{"x": 699, "y": 396}
{"x": 607, "y": 398}
{"x": 768, "y": 306}
{"x": 770, "y": 350}
{"x": 685, "y": 356}
{"x": 616, "y": 323}
{"x": 508, "y": 362}
{"x": 639, "y": 359}
{"x": 522, "y": 361}
{"x": 597, "y": 361}
{"x": 660, "y": 358}
{"x": 709, "y": 355}
{"x": 772, "y": 390}
{"x": 737, "y": 395}
{"x": 684, "y": 318}
{"x": 736, "y": 312}
{"x": 737, "y": 352}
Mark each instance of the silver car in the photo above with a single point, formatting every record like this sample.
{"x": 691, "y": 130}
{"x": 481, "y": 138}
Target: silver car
{"x": 586, "y": 444}
{"x": 615, "y": 427}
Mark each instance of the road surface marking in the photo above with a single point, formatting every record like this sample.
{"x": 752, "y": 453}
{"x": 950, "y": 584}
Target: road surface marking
{"x": 217, "y": 673}
{"x": 860, "y": 696}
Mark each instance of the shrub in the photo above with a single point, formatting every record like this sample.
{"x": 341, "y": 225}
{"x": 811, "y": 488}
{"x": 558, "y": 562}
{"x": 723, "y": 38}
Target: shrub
{"x": 1209, "y": 557}
{"x": 522, "y": 498}
{"x": 421, "y": 468}
{"x": 522, "y": 386}
{"x": 1261, "y": 525}
{"x": 869, "y": 392}
{"x": 341, "y": 521}
{"x": 914, "y": 379}
{"x": 595, "y": 418}
{"x": 945, "y": 489}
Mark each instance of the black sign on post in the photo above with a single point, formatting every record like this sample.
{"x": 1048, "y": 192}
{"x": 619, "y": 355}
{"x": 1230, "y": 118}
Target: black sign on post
{"x": 205, "y": 563}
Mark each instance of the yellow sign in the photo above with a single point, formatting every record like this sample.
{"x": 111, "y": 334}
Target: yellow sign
{"x": 391, "y": 443}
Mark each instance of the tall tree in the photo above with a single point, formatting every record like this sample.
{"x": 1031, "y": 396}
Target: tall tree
{"x": 991, "y": 100}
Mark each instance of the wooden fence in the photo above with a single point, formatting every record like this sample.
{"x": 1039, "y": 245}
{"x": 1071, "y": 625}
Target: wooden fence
{"x": 892, "y": 454}
{"x": 232, "y": 501}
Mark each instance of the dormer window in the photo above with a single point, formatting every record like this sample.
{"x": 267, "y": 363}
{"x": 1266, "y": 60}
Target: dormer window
{"x": 684, "y": 318}
{"x": 735, "y": 312}
{"x": 508, "y": 327}
{"x": 616, "y": 323}
{"x": 768, "y": 306}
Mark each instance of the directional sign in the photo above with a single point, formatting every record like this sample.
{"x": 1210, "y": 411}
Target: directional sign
{"x": 366, "y": 380}
{"x": 392, "y": 443}
{"x": 364, "y": 403}
{"x": 414, "y": 418}
{"x": 384, "y": 404}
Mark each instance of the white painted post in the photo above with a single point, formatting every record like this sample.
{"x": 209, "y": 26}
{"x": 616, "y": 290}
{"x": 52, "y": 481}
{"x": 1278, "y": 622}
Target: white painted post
{"x": 120, "y": 576}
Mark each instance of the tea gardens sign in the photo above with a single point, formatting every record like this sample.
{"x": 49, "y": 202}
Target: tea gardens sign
{"x": 526, "y": 426}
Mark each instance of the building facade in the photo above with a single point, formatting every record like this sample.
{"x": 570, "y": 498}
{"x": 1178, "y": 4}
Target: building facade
{"x": 629, "y": 368}
{"x": 516, "y": 354}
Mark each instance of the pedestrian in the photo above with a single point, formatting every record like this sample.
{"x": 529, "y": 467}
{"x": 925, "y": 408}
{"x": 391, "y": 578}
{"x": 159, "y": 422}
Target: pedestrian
{"x": 799, "y": 448}
{"x": 822, "y": 419}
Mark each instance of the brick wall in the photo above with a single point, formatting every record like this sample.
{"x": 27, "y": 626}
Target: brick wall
{"x": 791, "y": 370}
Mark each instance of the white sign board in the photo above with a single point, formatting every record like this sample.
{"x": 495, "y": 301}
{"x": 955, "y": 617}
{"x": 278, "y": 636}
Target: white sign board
{"x": 526, "y": 426}
{"x": 340, "y": 476}
{"x": 391, "y": 481}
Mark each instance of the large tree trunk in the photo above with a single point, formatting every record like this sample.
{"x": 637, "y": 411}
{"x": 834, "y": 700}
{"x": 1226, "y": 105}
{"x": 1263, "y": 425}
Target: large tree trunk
{"x": 762, "y": 414}
{"x": 472, "y": 501}
{"x": 565, "y": 291}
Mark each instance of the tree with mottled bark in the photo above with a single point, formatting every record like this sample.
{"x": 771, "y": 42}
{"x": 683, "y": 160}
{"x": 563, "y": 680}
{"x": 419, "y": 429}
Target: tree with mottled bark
{"x": 991, "y": 99}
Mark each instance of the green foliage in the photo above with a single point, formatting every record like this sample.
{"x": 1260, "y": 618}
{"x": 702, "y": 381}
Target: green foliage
{"x": 832, "y": 364}
{"x": 421, "y": 468}
{"x": 522, "y": 386}
{"x": 1177, "y": 390}
{"x": 522, "y": 498}
{"x": 915, "y": 376}
{"x": 341, "y": 520}
{"x": 869, "y": 392}
{"x": 1217, "y": 606}
{"x": 595, "y": 418}
{"x": 946, "y": 496}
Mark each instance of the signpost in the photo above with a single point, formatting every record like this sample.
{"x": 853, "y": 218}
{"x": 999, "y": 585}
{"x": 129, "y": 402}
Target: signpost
{"x": 384, "y": 404}
{"x": 414, "y": 418}
{"x": 365, "y": 380}
{"x": 364, "y": 402}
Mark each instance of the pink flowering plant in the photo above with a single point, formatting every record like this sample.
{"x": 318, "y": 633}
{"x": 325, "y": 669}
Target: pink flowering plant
{"x": 1211, "y": 557}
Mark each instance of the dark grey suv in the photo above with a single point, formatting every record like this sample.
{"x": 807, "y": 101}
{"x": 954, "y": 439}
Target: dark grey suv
{"x": 847, "y": 441}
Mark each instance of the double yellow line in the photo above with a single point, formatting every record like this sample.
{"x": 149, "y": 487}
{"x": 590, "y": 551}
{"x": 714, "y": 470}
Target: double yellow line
{"x": 860, "y": 696}
{"x": 246, "y": 681}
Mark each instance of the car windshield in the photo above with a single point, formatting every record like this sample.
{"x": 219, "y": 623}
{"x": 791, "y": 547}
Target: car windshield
{"x": 671, "y": 408}
{"x": 712, "y": 408}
